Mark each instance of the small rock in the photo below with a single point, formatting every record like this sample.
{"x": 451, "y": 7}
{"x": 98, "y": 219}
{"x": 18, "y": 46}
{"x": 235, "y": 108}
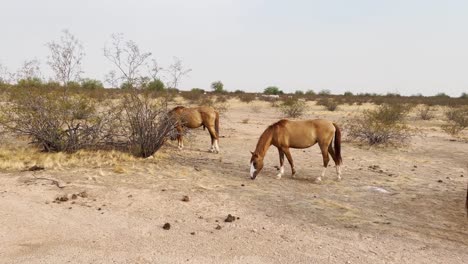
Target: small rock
{"x": 448, "y": 178}
{"x": 163, "y": 190}
{"x": 244, "y": 184}
{"x": 167, "y": 226}
{"x": 83, "y": 194}
{"x": 230, "y": 218}
{"x": 74, "y": 196}
{"x": 415, "y": 166}
{"x": 197, "y": 169}
{"x": 69, "y": 207}
{"x": 218, "y": 227}
{"x": 185, "y": 198}
{"x": 47, "y": 202}
{"x": 440, "y": 181}
{"x": 193, "y": 233}
{"x": 130, "y": 196}
{"x": 62, "y": 198}
{"x": 99, "y": 209}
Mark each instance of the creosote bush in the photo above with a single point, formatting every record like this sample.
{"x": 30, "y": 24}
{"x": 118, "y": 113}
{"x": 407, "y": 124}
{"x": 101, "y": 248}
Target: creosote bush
{"x": 54, "y": 120}
{"x": 246, "y": 97}
{"x": 425, "y": 112}
{"x": 145, "y": 124}
{"x": 384, "y": 125}
{"x": 328, "y": 103}
{"x": 457, "y": 120}
{"x": 293, "y": 108}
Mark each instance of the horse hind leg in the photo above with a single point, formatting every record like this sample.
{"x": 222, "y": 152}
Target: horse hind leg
{"x": 214, "y": 140}
{"x": 326, "y": 160}
{"x": 337, "y": 163}
{"x": 281, "y": 169}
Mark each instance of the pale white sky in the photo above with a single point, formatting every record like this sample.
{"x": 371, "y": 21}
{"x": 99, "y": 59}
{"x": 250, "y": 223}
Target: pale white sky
{"x": 405, "y": 46}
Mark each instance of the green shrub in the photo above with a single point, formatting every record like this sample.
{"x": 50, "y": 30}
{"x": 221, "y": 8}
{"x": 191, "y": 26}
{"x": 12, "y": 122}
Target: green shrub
{"x": 155, "y": 86}
{"x": 324, "y": 92}
{"x": 272, "y": 90}
{"x": 90, "y": 84}
{"x": 30, "y": 83}
{"x": 299, "y": 92}
{"x": 218, "y": 87}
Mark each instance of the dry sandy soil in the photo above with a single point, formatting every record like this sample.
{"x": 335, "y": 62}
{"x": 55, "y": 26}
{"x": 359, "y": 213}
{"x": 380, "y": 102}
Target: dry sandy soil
{"x": 394, "y": 205}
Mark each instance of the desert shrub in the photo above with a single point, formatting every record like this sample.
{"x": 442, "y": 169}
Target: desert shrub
{"x": 73, "y": 85}
{"x": 425, "y": 112}
{"x": 218, "y": 87}
{"x": 246, "y": 97}
{"x": 457, "y": 118}
{"x": 384, "y": 125}
{"x": 324, "y": 92}
{"x": 193, "y": 96}
{"x": 464, "y": 96}
{"x": 52, "y": 85}
{"x": 155, "y": 86}
{"x": 310, "y": 92}
{"x": 272, "y": 90}
{"x": 206, "y": 101}
{"x": 293, "y": 108}
{"x": 256, "y": 108}
{"x": 53, "y": 120}
{"x": 91, "y": 84}
{"x": 239, "y": 92}
{"x": 145, "y": 124}
{"x": 299, "y": 92}
{"x": 348, "y": 93}
{"x": 328, "y": 103}
{"x": 30, "y": 83}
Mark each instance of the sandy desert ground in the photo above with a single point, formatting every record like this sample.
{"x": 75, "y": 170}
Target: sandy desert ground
{"x": 394, "y": 205}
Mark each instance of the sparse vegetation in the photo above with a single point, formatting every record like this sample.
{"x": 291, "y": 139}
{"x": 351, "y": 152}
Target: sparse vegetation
{"x": 425, "y": 112}
{"x": 384, "y": 125}
{"x": 246, "y": 97}
{"x": 293, "y": 108}
{"x": 328, "y": 103}
{"x": 457, "y": 118}
{"x": 218, "y": 87}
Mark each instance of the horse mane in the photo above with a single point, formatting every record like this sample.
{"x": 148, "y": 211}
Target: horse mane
{"x": 178, "y": 108}
{"x": 267, "y": 135}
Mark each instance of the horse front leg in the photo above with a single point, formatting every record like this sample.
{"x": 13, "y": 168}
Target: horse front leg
{"x": 180, "y": 142}
{"x": 281, "y": 159}
{"x": 291, "y": 162}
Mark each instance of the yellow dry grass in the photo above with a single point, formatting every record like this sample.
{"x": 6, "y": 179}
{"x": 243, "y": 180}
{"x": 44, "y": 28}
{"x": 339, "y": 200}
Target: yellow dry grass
{"x": 22, "y": 158}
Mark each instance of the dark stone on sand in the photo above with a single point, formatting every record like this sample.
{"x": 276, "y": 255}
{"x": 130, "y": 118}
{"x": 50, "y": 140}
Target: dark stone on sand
{"x": 230, "y": 218}
{"x": 218, "y": 227}
{"x": 167, "y": 226}
{"x": 36, "y": 168}
{"x": 185, "y": 198}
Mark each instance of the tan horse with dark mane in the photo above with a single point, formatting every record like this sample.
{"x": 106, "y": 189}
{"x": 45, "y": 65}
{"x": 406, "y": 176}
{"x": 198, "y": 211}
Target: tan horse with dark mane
{"x": 196, "y": 117}
{"x": 286, "y": 134}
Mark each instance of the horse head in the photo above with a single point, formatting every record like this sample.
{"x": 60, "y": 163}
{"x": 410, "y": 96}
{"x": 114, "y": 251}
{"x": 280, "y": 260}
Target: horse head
{"x": 256, "y": 165}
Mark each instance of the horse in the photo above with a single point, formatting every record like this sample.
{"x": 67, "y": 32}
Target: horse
{"x": 196, "y": 117}
{"x": 286, "y": 134}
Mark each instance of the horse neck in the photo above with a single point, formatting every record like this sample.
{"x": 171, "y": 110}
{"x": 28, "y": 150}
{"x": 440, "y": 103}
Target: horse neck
{"x": 264, "y": 142}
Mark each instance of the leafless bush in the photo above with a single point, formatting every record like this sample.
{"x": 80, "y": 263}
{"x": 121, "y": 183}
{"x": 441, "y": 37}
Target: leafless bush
{"x": 328, "y": 103}
{"x": 384, "y": 125}
{"x": 293, "y": 108}
{"x": 256, "y": 108}
{"x": 457, "y": 120}
{"x": 425, "y": 112}
{"x": 54, "y": 120}
{"x": 246, "y": 97}
{"x": 146, "y": 124}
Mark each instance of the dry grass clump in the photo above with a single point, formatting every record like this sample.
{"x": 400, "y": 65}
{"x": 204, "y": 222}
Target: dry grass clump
{"x": 384, "y": 125}
{"x": 22, "y": 158}
{"x": 256, "y": 108}
{"x": 425, "y": 112}
{"x": 246, "y": 97}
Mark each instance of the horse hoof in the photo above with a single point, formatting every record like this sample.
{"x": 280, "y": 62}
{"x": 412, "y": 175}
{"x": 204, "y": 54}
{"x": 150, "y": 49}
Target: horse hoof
{"x": 278, "y": 177}
{"x": 318, "y": 180}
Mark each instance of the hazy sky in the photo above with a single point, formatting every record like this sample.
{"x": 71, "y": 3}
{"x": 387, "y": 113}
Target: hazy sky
{"x": 405, "y": 46}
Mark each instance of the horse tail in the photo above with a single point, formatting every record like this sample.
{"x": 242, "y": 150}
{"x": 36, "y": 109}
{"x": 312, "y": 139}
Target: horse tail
{"x": 338, "y": 144}
{"x": 217, "y": 124}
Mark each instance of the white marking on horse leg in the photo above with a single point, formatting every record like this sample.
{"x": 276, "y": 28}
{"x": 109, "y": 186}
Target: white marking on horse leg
{"x": 216, "y": 145}
{"x": 180, "y": 145}
{"x": 338, "y": 172}
{"x": 252, "y": 170}
{"x": 280, "y": 173}
{"x": 323, "y": 171}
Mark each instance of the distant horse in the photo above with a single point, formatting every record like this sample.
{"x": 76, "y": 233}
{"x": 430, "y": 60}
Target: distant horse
{"x": 196, "y": 117}
{"x": 286, "y": 134}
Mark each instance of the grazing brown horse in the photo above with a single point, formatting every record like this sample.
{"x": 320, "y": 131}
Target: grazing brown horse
{"x": 286, "y": 134}
{"x": 194, "y": 118}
